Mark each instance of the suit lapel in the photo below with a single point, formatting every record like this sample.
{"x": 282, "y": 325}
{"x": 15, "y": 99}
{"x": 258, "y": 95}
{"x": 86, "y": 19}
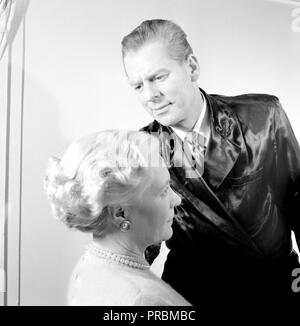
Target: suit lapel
{"x": 221, "y": 221}
{"x": 225, "y": 142}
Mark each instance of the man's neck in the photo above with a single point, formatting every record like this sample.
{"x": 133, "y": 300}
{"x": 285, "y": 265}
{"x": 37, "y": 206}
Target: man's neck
{"x": 189, "y": 123}
{"x": 201, "y": 124}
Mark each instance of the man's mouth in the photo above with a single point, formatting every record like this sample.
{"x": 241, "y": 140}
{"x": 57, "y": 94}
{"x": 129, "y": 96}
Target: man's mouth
{"x": 161, "y": 109}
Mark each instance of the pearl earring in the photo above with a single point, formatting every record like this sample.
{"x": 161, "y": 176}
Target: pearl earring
{"x": 125, "y": 226}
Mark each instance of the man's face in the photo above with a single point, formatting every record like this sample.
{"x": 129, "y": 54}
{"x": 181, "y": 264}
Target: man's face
{"x": 164, "y": 86}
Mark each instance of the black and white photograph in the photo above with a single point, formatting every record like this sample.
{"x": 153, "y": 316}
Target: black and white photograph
{"x": 149, "y": 156}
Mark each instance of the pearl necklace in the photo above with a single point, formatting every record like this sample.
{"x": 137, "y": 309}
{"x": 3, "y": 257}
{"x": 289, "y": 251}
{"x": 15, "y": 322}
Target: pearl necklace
{"x": 121, "y": 259}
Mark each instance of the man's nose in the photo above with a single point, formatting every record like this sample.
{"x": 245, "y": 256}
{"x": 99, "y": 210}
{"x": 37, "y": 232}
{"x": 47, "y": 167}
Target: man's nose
{"x": 151, "y": 92}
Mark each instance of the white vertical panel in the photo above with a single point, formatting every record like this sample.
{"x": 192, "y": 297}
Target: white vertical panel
{"x": 15, "y": 171}
{"x": 3, "y": 108}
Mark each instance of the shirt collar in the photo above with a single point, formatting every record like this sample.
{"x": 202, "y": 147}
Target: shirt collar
{"x": 201, "y": 126}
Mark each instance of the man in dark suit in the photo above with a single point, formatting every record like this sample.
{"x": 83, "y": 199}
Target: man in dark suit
{"x": 236, "y": 164}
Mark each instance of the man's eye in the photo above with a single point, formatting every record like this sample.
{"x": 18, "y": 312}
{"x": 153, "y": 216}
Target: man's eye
{"x": 161, "y": 77}
{"x": 137, "y": 87}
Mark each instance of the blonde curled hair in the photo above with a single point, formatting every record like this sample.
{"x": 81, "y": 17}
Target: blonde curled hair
{"x": 96, "y": 172}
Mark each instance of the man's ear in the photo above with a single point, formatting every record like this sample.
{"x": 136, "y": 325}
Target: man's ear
{"x": 193, "y": 66}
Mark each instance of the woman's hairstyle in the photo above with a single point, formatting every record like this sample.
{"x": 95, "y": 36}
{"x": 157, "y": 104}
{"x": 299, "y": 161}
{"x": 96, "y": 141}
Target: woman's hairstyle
{"x": 158, "y": 29}
{"x": 95, "y": 173}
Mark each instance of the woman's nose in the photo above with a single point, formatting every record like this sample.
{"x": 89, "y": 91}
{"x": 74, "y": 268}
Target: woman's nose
{"x": 176, "y": 200}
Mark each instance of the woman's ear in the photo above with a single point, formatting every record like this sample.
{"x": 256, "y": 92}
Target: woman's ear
{"x": 120, "y": 219}
{"x": 193, "y": 66}
{"x": 118, "y": 215}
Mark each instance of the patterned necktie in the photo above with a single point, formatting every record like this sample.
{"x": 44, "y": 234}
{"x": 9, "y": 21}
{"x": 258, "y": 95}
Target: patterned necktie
{"x": 197, "y": 145}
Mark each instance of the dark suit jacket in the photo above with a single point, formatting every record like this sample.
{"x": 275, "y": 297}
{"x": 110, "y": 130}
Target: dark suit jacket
{"x": 232, "y": 233}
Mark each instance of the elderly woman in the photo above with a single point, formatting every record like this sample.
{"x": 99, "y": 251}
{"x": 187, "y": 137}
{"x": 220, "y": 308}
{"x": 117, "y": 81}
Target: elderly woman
{"x": 115, "y": 185}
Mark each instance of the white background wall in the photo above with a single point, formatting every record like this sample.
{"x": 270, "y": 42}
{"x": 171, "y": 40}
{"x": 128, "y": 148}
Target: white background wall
{"x": 74, "y": 84}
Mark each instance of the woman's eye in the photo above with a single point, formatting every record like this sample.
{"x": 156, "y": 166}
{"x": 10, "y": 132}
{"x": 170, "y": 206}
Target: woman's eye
{"x": 164, "y": 193}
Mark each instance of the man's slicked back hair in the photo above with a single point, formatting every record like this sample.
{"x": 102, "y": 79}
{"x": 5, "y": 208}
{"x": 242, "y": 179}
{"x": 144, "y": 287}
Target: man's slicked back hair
{"x": 158, "y": 30}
